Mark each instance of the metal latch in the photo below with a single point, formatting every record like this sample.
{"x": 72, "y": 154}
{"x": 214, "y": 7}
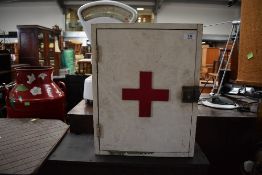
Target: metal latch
{"x": 98, "y": 130}
{"x": 190, "y": 94}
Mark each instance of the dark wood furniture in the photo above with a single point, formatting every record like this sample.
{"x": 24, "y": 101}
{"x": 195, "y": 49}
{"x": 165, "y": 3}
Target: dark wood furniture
{"x": 80, "y": 118}
{"x": 227, "y": 137}
{"x": 75, "y": 155}
{"x": 26, "y": 143}
{"x": 209, "y": 55}
{"x": 5, "y": 67}
{"x": 37, "y": 46}
{"x": 75, "y": 89}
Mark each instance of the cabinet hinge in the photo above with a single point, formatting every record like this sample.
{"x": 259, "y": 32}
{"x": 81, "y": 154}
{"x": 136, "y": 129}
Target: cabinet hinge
{"x": 98, "y": 52}
{"x": 98, "y": 130}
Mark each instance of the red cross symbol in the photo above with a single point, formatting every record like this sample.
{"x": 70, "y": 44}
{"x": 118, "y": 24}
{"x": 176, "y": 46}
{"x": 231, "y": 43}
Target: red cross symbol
{"x": 145, "y": 94}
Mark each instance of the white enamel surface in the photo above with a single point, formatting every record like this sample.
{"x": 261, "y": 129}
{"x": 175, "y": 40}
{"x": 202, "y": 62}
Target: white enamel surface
{"x": 88, "y": 90}
{"x": 218, "y": 106}
{"x": 87, "y": 24}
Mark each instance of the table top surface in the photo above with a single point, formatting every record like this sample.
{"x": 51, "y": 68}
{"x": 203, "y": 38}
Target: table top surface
{"x": 83, "y": 108}
{"x": 80, "y": 148}
{"x": 26, "y": 143}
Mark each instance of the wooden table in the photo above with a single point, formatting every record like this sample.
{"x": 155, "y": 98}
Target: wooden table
{"x": 222, "y": 135}
{"x": 75, "y": 155}
{"x": 26, "y": 143}
{"x": 227, "y": 137}
{"x": 80, "y": 118}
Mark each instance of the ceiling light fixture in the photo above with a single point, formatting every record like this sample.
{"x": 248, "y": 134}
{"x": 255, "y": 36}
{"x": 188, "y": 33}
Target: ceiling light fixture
{"x": 140, "y": 9}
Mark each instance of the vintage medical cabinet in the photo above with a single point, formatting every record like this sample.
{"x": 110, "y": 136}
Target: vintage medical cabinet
{"x": 144, "y": 80}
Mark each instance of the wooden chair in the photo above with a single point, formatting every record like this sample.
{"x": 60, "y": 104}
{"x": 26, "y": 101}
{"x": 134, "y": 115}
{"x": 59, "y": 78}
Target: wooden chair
{"x": 84, "y": 66}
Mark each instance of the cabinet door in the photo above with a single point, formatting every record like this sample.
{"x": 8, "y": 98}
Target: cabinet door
{"x": 51, "y": 50}
{"x": 36, "y": 45}
{"x": 41, "y": 48}
{"x": 168, "y": 57}
{"x": 28, "y": 45}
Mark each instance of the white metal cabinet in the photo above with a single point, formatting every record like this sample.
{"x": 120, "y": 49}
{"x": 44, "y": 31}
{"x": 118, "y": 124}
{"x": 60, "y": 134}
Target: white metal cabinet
{"x": 159, "y": 59}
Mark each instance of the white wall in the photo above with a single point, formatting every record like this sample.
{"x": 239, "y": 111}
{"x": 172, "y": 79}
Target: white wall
{"x": 46, "y": 14}
{"x": 49, "y": 13}
{"x": 171, "y": 12}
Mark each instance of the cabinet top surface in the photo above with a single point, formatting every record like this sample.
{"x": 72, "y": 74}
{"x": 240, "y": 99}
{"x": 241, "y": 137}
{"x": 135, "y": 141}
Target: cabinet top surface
{"x": 33, "y": 27}
{"x": 162, "y": 26}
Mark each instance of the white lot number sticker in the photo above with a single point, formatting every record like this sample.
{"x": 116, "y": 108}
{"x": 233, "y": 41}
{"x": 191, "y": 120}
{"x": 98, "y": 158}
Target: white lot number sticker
{"x": 190, "y": 36}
